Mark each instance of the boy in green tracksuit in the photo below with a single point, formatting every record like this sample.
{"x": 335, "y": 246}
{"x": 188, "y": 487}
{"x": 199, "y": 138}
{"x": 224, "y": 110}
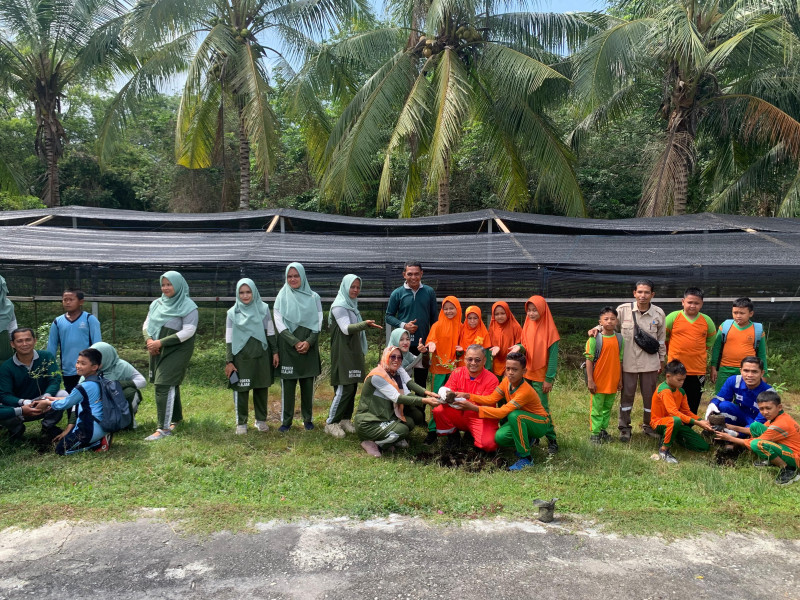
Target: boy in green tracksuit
{"x": 737, "y": 338}
{"x": 603, "y": 374}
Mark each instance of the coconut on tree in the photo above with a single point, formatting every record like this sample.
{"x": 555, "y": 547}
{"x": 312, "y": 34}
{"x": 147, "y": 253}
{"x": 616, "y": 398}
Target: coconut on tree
{"x": 450, "y": 63}
{"x": 721, "y": 72}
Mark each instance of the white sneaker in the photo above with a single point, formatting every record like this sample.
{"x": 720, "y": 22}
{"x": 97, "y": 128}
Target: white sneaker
{"x": 347, "y": 426}
{"x": 262, "y": 426}
{"x": 241, "y": 429}
{"x": 334, "y": 430}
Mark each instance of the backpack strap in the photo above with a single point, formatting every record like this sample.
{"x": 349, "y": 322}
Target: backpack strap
{"x": 85, "y": 430}
{"x": 598, "y": 345}
{"x": 759, "y": 332}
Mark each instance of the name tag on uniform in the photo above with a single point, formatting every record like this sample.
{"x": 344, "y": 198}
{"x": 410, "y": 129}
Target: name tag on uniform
{"x": 287, "y": 370}
{"x": 354, "y": 373}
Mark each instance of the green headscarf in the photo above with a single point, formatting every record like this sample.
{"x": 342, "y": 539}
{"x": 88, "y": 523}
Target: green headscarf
{"x": 248, "y": 319}
{"x": 344, "y": 300}
{"x": 394, "y": 340}
{"x": 113, "y": 367}
{"x": 6, "y": 306}
{"x": 298, "y": 308}
{"x": 163, "y": 309}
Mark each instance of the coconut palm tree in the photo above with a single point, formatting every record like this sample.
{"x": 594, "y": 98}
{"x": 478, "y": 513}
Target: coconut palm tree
{"x": 450, "y": 61}
{"x": 45, "y": 47}
{"x": 718, "y": 71}
{"x": 224, "y": 47}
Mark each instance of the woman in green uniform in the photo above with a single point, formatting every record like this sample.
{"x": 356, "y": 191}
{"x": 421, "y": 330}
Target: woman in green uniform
{"x": 252, "y": 353}
{"x": 348, "y": 349}
{"x": 380, "y": 421}
{"x": 8, "y": 322}
{"x": 298, "y": 320}
{"x": 169, "y": 333}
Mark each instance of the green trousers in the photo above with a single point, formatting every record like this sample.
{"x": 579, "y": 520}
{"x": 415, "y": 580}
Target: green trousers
{"x": 241, "y": 400}
{"x": 672, "y": 429}
{"x": 770, "y": 450}
{"x": 520, "y": 428}
{"x": 537, "y": 385}
{"x": 600, "y": 406}
{"x": 722, "y": 376}
{"x": 344, "y": 398}
{"x": 288, "y": 387}
{"x": 384, "y": 434}
{"x": 438, "y": 381}
{"x": 168, "y": 405}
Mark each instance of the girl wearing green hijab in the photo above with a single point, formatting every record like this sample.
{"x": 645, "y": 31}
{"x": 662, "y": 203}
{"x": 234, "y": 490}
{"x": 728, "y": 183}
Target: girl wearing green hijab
{"x": 114, "y": 368}
{"x": 298, "y": 321}
{"x": 252, "y": 353}
{"x": 348, "y": 349}
{"x": 8, "y": 322}
{"x": 169, "y": 333}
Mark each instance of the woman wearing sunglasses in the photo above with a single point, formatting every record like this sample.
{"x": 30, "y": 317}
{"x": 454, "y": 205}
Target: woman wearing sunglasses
{"x": 379, "y": 420}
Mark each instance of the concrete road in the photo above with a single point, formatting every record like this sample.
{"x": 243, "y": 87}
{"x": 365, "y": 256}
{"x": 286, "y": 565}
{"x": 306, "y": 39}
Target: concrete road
{"x": 388, "y": 558}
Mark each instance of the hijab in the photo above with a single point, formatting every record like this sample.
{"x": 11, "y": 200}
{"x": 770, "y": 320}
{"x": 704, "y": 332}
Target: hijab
{"x": 503, "y": 336}
{"x": 538, "y": 336}
{"x": 394, "y": 340}
{"x": 445, "y": 332}
{"x": 344, "y": 300}
{"x": 163, "y": 309}
{"x": 6, "y": 306}
{"x": 393, "y": 380}
{"x": 479, "y": 335}
{"x": 248, "y": 319}
{"x": 113, "y": 367}
{"x": 298, "y": 308}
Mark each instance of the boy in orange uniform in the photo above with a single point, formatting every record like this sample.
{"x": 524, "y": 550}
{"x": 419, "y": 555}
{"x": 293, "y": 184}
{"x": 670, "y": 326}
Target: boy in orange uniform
{"x": 527, "y": 418}
{"x": 738, "y": 338}
{"x": 603, "y": 374}
{"x": 777, "y": 441}
{"x": 689, "y": 335}
{"x": 671, "y": 416}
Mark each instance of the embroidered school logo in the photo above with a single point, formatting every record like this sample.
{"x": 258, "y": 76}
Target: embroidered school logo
{"x": 287, "y": 370}
{"x": 354, "y": 373}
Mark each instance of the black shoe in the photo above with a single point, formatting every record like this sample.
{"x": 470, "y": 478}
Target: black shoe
{"x": 595, "y": 439}
{"x": 308, "y": 425}
{"x": 552, "y": 447}
{"x": 431, "y": 438}
{"x": 787, "y": 476}
{"x": 604, "y": 436}
{"x": 625, "y": 437}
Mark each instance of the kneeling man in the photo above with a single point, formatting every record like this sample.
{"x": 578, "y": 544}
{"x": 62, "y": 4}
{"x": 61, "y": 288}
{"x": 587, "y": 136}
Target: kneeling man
{"x": 471, "y": 379}
{"x": 527, "y": 418}
{"x": 737, "y": 399}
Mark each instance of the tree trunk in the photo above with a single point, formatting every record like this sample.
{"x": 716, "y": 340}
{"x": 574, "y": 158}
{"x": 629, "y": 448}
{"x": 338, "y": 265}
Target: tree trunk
{"x": 444, "y": 189}
{"x": 51, "y": 195}
{"x": 244, "y": 166}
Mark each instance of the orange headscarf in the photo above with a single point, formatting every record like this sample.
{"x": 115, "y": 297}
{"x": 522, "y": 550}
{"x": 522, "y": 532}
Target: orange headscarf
{"x": 478, "y": 335}
{"x": 444, "y": 333}
{"x": 503, "y": 336}
{"x": 380, "y": 371}
{"x": 537, "y": 337}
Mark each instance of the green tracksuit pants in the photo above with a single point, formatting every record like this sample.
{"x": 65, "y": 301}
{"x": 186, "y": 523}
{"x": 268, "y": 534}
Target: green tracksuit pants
{"x": 600, "y": 406}
{"x": 520, "y": 428}
{"x": 770, "y": 450}
{"x": 241, "y": 400}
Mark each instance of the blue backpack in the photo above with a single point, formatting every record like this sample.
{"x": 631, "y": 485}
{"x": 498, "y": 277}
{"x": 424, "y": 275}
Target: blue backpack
{"x": 758, "y": 331}
{"x": 116, "y": 411}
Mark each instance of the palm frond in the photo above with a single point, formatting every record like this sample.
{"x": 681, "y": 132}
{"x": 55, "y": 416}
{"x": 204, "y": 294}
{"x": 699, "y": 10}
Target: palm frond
{"x": 196, "y": 128}
{"x": 790, "y": 204}
{"x": 729, "y": 198}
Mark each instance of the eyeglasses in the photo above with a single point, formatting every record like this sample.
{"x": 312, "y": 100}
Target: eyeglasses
{"x": 395, "y": 358}
{"x": 475, "y": 360}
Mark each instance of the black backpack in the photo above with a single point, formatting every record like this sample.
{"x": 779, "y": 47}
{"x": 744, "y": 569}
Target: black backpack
{"x": 116, "y": 410}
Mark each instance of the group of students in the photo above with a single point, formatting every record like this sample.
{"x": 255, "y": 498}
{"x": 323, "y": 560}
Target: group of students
{"x": 492, "y": 383}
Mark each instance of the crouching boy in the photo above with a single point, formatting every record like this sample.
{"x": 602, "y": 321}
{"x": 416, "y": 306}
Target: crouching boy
{"x": 87, "y": 433}
{"x": 671, "y": 417}
{"x": 777, "y": 441}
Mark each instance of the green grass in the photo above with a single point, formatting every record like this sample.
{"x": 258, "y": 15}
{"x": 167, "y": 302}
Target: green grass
{"x": 210, "y": 479}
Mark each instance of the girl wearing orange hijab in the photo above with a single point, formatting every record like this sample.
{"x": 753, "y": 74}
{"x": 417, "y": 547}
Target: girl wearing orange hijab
{"x": 504, "y": 332}
{"x": 473, "y": 331}
{"x": 442, "y": 343}
{"x": 539, "y": 342}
